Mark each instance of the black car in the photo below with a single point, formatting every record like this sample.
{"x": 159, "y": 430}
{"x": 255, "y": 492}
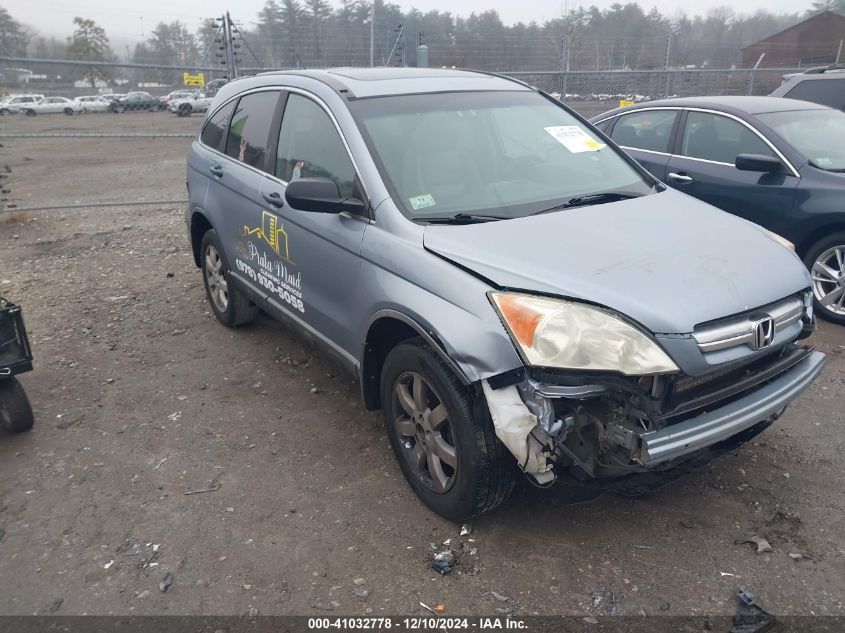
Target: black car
{"x": 134, "y": 102}
{"x": 779, "y": 163}
{"x": 824, "y": 85}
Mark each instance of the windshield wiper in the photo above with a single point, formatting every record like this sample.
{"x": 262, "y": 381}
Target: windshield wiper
{"x": 593, "y": 198}
{"x": 463, "y": 218}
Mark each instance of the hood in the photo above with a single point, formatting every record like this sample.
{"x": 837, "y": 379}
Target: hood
{"x": 666, "y": 260}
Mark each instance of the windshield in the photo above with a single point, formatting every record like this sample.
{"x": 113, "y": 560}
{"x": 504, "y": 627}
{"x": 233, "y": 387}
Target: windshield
{"x": 817, "y": 134}
{"x": 505, "y": 154}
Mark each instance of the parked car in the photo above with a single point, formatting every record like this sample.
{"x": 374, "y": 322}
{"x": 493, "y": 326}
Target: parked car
{"x": 824, "y": 85}
{"x": 52, "y": 105}
{"x": 776, "y": 162}
{"x": 176, "y": 94}
{"x": 15, "y": 103}
{"x": 93, "y": 103}
{"x": 513, "y": 291}
{"x": 197, "y": 102}
{"x": 135, "y": 102}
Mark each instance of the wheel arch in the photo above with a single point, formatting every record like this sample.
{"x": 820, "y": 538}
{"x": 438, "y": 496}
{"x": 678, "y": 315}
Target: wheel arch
{"x": 200, "y": 224}
{"x": 817, "y": 234}
{"x": 386, "y": 329}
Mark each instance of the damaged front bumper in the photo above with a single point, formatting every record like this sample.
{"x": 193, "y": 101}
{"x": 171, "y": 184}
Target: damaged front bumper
{"x": 609, "y": 427}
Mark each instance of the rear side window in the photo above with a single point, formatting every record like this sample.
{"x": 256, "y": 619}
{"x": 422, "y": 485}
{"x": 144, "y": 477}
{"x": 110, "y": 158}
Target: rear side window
{"x": 829, "y": 92}
{"x": 650, "y": 130}
{"x": 249, "y": 132}
{"x": 718, "y": 138}
{"x": 310, "y": 147}
{"x": 214, "y": 132}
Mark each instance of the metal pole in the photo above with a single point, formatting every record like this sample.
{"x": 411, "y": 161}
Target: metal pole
{"x": 839, "y": 51}
{"x": 751, "y": 74}
{"x": 666, "y": 66}
{"x": 372, "y": 34}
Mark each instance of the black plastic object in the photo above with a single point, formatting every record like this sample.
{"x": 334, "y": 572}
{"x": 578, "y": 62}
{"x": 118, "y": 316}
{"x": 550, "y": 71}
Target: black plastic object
{"x": 15, "y": 353}
{"x": 320, "y": 195}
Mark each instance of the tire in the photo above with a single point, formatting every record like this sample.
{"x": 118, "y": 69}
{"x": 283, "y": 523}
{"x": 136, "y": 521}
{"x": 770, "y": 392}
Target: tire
{"x": 826, "y": 262}
{"x": 229, "y": 305}
{"x": 4, "y": 112}
{"x": 68, "y": 111}
{"x": 29, "y": 112}
{"x": 15, "y": 411}
{"x": 184, "y": 111}
{"x": 483, "y": 474}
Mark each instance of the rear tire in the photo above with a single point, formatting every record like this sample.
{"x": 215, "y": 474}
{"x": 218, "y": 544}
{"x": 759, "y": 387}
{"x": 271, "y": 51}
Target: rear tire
{"x": 231, "y": 307}
{"x": 826, "y": 262}
{"x": 30, "y": 112}
{"x": 476, "y": 473}
{"x": 68, "y": 111}
{"x": 184, "y": 111}
{"x": 15, "y": 411}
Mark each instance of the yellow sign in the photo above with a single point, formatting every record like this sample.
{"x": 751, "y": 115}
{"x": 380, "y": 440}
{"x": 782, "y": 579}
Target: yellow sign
{"x": 272, "y": 233}
{"x": 194, "y": 80}
{"x": 625, "y": 104}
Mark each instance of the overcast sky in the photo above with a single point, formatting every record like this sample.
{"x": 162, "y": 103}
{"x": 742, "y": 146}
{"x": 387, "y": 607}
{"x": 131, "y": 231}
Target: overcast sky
{"x": 130, "y": 19}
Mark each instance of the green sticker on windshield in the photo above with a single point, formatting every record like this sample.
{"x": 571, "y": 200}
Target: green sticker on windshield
{"x": 422, "y": 202}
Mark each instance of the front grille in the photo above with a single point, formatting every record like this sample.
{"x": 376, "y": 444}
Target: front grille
{"x": 739, "y": 330}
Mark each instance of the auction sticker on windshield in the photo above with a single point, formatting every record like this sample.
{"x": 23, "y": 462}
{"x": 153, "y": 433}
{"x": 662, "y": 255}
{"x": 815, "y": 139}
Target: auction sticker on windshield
{"x": 573, "y": 138}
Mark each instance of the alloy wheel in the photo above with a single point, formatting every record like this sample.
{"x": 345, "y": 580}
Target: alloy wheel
{"x": 425, "y": 434}
{"x": 218, "y": 287}
{"x": 829, "y": 280}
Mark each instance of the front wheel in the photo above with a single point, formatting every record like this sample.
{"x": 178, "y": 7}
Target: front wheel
{"x": 449, "y": 455}
{"x": 15, "y": 411}
{"x": 229, "y": 305}
{"x": 826, "y": 261}
{"x": 30, "y": 113}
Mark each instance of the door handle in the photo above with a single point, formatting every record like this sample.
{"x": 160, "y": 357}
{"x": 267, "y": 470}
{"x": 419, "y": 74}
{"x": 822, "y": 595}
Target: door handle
{"x": 216, "y": 171}
{"x": 274, "y": 198}
{"x": 682, "y": 178}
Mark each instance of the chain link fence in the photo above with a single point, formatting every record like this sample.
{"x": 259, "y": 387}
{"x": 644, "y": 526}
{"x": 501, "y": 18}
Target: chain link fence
{"x": 145, "y": 135}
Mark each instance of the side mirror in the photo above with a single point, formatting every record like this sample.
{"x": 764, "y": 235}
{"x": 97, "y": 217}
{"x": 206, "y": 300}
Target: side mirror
{"x": 757, "y": 162}
{"x": 320, "y": 195}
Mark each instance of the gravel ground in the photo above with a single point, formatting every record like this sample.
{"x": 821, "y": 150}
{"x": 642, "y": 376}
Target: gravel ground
{"x": 141, "y": 396}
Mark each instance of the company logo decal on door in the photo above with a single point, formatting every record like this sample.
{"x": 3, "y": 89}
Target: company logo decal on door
{"x": 276, "y": 274}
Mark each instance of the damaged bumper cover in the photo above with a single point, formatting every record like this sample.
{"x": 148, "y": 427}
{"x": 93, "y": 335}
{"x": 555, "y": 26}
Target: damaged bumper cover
{"x": 610, "y": 428}
{"x": 715, "y": 426}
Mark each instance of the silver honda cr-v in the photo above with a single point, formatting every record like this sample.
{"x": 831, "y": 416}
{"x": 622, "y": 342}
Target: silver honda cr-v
{"x": 511, "y": 290}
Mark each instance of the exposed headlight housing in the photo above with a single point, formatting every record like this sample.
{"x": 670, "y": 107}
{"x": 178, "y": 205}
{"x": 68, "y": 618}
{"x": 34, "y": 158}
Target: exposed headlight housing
{"x": 570, "y": 335}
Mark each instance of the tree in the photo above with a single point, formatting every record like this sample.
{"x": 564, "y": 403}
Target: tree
{"x": 317, "y": 11}
{"x": 14, "y": 36}
{"x": 827, "y": 5}
{"x": 89, "y": 43}
{"x": 172, "y": 45}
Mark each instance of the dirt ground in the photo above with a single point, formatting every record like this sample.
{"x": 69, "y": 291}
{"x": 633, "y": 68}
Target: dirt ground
{"x": 141, "y": 396}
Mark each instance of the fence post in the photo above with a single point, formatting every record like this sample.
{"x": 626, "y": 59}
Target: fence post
{"x": 750, "y": 90}
{"x": 668, "y": 84}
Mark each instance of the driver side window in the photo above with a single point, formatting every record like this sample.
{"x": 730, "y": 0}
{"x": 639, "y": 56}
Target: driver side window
{"x": 310, "y": 147}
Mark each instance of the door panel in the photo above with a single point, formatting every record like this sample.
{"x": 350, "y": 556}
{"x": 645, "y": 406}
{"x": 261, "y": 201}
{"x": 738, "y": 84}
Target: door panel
{"x": 234, "y": 199}
{"x": 318, "y": 260}
{"x": 708, "y": 145}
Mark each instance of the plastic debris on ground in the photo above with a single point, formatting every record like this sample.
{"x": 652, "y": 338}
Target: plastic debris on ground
{"x": 443, "y": 562}
{"x": 750, "y": 617}
{"x": 165, "y": 583}
{"x": 762, "y": 544}
{"x": 466, "y": 529}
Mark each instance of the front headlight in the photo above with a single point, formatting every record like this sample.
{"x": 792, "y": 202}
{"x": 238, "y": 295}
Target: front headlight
{"x": 565, "y": 334}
